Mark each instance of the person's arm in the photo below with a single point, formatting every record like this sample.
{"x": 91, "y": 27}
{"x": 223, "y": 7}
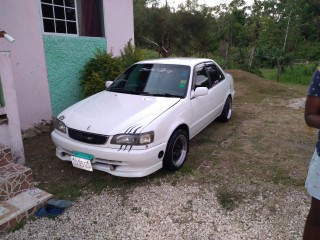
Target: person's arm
{"x": 312, "y": 111}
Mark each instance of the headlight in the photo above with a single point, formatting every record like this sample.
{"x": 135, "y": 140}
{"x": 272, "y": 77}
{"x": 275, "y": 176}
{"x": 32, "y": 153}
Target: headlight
{"x": 133, "y": 139}
{"x": 60, "y": 126}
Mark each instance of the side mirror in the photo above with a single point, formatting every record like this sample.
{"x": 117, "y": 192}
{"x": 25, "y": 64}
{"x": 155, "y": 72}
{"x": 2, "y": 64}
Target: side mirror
{"x": 108, "y": 83}
{"x": 200, "y": 91}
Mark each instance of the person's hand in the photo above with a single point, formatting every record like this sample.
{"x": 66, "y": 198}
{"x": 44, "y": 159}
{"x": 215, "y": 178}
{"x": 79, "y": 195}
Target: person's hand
{"x": 2, "y": 33}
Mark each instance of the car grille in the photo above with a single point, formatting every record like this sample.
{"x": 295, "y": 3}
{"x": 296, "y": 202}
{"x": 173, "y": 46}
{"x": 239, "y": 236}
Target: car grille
{"x": 87, "y": 137}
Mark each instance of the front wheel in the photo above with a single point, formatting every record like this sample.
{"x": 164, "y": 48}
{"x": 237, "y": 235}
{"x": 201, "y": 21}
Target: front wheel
{"x": 227, "y": 111}
{"x": 176, "y": 152}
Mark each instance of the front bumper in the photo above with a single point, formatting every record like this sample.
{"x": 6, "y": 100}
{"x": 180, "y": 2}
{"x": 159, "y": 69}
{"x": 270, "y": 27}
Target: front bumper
{"x": 123, "y": 163}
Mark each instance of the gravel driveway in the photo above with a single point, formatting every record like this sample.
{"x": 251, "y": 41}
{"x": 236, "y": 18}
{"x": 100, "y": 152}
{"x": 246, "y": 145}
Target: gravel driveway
{"x": 183, "y": 211}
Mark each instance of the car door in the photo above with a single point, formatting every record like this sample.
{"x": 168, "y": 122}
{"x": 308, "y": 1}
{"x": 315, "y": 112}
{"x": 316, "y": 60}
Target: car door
{"x": 218, "y": 91}
{"x": 201, "y": 105}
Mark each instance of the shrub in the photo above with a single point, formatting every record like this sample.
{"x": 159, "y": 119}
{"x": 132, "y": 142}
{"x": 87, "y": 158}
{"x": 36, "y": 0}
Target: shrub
{"x": 130, "y": 55}
{"x": 150, "y": 54}
{"x": 99, "y": 69}
{"x": 104, "y": 66}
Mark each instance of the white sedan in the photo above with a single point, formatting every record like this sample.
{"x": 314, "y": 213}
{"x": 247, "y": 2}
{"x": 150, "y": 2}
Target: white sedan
{"x": 145, "y": 118}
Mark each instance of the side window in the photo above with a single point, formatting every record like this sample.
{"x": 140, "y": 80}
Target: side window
{"x": 216, "y": 75}
{"x": 201, "y": 77}
{"x": 76, "y": 17}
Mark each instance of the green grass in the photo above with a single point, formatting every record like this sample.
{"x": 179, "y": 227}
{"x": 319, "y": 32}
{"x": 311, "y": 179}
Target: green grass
{"x": 298, "y": 74}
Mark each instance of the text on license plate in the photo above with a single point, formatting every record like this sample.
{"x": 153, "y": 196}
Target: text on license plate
{"x": 82, "y": 163}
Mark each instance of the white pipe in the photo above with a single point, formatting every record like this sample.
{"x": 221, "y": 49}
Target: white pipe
{"x": 9, "y": 38}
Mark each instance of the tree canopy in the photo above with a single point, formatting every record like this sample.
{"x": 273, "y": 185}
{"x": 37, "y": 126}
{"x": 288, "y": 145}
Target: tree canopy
{"x": 268, "y": 33}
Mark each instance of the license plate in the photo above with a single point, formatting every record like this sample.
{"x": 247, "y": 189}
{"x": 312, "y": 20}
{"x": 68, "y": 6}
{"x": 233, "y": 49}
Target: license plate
{"x": 82, "y": 160}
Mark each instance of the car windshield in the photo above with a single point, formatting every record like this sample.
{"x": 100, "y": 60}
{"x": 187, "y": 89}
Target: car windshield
{"x": 165, "y": 80}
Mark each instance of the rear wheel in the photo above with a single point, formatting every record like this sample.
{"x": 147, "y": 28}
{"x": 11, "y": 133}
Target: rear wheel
{"x": 176, "y": 152}
{"x": 227, "y": 111}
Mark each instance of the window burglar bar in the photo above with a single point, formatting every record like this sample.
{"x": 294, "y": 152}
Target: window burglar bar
{"x": 59, "y": 16}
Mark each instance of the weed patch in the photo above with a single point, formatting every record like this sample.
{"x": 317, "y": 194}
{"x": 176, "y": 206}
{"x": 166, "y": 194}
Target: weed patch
{"x": 228, "y": 199}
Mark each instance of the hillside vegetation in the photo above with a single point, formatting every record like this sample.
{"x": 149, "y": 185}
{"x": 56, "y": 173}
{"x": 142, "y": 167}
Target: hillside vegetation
{"x": 269, "y": 34}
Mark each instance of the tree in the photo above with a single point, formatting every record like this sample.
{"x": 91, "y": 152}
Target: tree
{"x": 266, "y": 34}
{"x": 278, "y": 23}
{"x": 168, "y": 31}
{"x": 231, "y": 30}
{"x": 154, "y": 27}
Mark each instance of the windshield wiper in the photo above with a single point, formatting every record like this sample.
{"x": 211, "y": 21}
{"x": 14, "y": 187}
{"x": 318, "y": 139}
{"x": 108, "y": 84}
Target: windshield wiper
{"x": 165, "y": 95}
{"x": 114, "y": 89}
{"x": 121, "y": 90}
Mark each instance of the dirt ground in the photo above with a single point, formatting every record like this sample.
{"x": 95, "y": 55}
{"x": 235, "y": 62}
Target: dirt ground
{"x": 265, "y": 141}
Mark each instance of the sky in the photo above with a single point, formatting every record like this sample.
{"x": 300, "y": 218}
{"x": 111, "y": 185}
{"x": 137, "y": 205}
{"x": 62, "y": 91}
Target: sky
{"x": 175, "y": 3}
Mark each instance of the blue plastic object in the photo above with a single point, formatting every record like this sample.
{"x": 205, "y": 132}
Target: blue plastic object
{"x": 49, "y": 211}
{"x": 59, "y": 203}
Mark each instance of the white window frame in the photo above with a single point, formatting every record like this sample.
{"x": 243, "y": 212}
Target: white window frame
{"x": 54, "y": 19}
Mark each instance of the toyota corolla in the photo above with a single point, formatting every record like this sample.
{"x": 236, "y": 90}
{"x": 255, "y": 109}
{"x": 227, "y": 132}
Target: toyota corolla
{"x": 145, "y": 118}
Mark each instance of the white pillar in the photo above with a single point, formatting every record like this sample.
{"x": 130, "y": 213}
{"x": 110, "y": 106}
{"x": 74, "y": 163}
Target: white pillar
{"x": 10, "y": 130}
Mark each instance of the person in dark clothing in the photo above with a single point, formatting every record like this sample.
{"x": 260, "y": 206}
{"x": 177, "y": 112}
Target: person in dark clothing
{"x": 312, "y": 118}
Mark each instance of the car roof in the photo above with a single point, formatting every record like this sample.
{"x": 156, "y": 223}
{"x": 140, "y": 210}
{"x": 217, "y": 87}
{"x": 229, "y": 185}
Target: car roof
{"x": 180, "y": 61}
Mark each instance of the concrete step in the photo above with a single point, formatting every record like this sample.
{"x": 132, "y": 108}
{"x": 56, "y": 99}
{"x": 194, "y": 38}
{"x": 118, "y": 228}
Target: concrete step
{"x": 19, "y": 199}
{"x": 19, "y": 208}
{"x": 14, "y": 179}
{"x": 5, "y": 155}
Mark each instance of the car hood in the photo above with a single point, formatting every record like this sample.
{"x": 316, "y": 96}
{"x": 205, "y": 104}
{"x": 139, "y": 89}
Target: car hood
{"x": 110, "y": 113}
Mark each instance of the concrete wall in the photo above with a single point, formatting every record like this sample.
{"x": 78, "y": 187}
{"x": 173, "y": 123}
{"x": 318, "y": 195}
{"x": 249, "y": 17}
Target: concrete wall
{"x": 65, "y": 57}
{"x": 21, "y": 20}
{"x": 119, "y": 26}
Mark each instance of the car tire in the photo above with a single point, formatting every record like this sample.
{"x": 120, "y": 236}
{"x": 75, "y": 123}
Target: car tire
{"x": 176, "y": 152}
{"x": 227, "y": 111}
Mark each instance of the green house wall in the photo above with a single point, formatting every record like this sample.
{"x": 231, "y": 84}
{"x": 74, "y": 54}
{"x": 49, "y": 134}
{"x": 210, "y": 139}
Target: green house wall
{"x": 65, "y": 58}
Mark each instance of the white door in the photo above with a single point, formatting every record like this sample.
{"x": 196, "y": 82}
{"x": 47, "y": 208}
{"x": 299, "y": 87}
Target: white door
{"x": 218, "y": 91}
{"x": 201, "y": 106}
